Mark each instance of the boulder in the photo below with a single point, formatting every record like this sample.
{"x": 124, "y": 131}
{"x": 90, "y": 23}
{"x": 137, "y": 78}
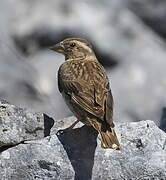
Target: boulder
{"x": 77, "y": 154}
{"x": 132, "y": 52}
{"x": 18, "y": 125}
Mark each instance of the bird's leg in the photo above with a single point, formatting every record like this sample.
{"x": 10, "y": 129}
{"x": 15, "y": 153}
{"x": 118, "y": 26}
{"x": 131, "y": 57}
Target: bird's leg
{"x": 72, "y": 126}
{"x": 99, "y": 138}
{"x": 69, "y": 128}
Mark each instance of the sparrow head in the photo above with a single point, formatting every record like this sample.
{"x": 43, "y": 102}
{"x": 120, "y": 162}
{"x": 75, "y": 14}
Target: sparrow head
{"x": 74, "y": 48}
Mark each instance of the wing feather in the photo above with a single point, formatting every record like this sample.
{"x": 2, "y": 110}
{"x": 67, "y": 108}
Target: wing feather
{"x": 93, "y": 94}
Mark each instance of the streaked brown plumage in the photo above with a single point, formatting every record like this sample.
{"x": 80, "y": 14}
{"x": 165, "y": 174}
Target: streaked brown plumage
{"x": 83, "y": 82}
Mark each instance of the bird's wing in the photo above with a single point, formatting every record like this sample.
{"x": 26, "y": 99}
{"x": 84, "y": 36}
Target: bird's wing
{"x": 91, "y": 92}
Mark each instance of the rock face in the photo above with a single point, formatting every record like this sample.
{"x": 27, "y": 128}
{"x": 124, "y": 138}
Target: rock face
{"x": 76, "y": 154}
{"x": 18, "y": 125}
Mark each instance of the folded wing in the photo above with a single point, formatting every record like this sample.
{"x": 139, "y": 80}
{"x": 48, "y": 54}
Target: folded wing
{"x": 90, "y": 91}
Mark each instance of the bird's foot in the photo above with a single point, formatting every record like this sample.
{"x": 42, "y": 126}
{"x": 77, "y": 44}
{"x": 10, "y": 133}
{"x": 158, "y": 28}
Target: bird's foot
{"x": 60, "y": 132}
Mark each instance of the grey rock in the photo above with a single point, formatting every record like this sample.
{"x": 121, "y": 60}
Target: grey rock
{"x": 18, "y": 125}
{"x": 76, "y": 154}
{"x": 118, "y": 35}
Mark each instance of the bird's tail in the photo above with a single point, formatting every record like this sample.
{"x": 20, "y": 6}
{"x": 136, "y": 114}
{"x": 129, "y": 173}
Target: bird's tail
{"x": 109, "y": 139}
{"x": 108, "y": 136}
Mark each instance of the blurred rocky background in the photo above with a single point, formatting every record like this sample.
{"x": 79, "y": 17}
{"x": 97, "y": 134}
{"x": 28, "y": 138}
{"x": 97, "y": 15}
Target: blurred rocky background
{"x": 128, "y": 37}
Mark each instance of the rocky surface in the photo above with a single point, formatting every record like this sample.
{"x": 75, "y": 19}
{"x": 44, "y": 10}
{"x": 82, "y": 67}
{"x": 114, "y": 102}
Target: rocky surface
{"x": 76, "y": 154}
{"x": 18, "y": 125}
{"x": 132, "y": 52}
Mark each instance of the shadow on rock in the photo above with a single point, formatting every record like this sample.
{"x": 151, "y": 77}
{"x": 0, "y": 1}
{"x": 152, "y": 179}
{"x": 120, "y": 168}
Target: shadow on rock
{"x": 163, "y": 120}
{"x": 48, "y": 124}
{"x": 4, "y": 148}
{"x": 80, "y": 145}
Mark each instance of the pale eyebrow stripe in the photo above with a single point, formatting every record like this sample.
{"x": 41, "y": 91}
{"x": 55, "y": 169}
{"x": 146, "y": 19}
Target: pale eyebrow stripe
{"x": 84, "y": 46}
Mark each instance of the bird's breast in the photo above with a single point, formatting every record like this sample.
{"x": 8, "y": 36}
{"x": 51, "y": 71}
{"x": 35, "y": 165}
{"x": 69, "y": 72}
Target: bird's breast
{"x": 76, "y": 71}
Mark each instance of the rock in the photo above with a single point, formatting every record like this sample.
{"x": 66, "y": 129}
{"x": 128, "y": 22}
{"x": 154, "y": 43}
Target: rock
{"x": 130, "y": 50}
{"x": 18, "y": 125}
{"x": 76, "y": 154}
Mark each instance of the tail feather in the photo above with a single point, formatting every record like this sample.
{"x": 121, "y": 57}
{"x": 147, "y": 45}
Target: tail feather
{"x": 108, "y": 137}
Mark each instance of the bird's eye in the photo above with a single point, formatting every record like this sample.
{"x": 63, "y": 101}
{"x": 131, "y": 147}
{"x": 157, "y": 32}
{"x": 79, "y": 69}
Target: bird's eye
{"x": 72, "y": 44}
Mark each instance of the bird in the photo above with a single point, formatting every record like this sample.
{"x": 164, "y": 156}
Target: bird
{"x": 84, "y": 85}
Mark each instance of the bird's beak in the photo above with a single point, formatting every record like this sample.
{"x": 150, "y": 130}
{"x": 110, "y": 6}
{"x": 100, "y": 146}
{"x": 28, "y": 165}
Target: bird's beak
{"x": 58, "y": 48}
